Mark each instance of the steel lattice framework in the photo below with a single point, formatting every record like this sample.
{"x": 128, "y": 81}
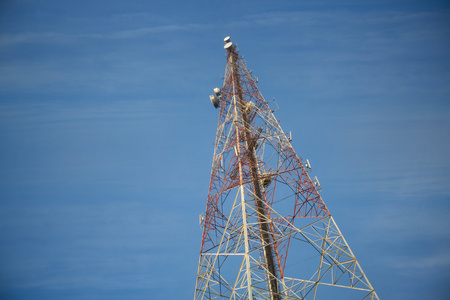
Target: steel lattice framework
{"x": 262, "y": 205}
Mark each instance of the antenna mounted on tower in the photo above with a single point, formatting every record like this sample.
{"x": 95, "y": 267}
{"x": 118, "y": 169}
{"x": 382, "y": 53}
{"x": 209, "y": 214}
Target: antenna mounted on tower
{"x": 228, "y": 44}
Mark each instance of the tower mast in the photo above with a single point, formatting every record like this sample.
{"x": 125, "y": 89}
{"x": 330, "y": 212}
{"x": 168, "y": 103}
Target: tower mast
{"x": 267, "y": 233}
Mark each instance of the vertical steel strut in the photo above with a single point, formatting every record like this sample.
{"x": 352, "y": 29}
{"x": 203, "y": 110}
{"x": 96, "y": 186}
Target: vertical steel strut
{"x": 250, "y": 153}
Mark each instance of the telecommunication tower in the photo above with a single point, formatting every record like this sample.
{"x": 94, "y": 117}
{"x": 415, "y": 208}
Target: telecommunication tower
{"x": 267, "y": 234}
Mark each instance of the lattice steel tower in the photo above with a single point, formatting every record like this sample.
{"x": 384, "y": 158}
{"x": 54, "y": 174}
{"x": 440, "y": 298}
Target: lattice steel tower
{"x": 267, "y": 234}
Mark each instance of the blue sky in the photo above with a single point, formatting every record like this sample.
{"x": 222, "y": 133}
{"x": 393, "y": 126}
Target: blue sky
{"x": 106, "y": 136}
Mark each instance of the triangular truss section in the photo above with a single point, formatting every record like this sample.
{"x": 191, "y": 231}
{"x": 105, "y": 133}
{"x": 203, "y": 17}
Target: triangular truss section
{"x": 267, "y": 234}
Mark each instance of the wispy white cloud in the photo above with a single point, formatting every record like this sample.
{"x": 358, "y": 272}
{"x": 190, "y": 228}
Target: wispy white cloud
{"x": 362, "y": 54}
{"x": 351, "y": 39}
{"x": 139, "y": 32}
{"x": 99, "y": 62}
{"x": 421, "y": 264}
{"x": 10, "y": 39}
